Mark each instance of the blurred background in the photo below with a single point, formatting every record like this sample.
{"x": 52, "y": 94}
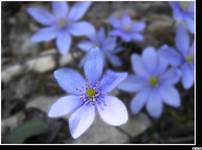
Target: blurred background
{"x": 28, "y": 86}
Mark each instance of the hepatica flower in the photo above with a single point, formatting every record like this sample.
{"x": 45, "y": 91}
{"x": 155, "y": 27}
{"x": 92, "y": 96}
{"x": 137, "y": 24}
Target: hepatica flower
{"x": 61, "y": 24}
{"x": 106, "y": 44}
{"x": 88, "y": 96}
{"x": 182, "y": 56}
{"x": 153, "y": 82}
{"x": 126, "y": 28}
{"x": 183, "y": 13}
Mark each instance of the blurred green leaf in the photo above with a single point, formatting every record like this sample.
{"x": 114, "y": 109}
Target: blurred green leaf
{"x": 27, "y": 129}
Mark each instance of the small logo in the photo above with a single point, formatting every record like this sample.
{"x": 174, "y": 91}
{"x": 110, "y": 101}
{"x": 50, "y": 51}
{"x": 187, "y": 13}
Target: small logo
{"x": 196, "y": 148}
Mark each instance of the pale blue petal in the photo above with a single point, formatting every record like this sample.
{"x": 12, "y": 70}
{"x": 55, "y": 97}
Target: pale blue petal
{"x": 137, "y": 36}
{"x": 93, "y": 66}
{"x": 82, "y": 28}
{"x": 140, "y": 100}
{"x": 81, "y": 120}
{"x": 182, "y": 40}
{"x": 154, "y": 105}
{"x": 114, "y": 113}
{"x": 101, "y": 34}
{"x": 171, "y": 76}
{"x": 126, "y": 21}
{"x": 132, "y": 83}
{"x": 116, "y": 23}
{"x": 78, "y": 10}
{"x": 190, "y": 23}
{"x": 60, "y": 9}
{"x": 64, "y": 106}
{"x": 187, "y": 76}
{"x": 111, "y": 79}
{"x": 114, "y": 60}
{"x": 41, "y": 15}
{"x": 124, "y": 36}
{"x": 138, "y": 26}
{"x": 86, "y": 46}
{"x": 63, "y": 42}
{"x": 44, "y": 34}
{"x": 170, "y": 96}
{"x": 69, "y": 80}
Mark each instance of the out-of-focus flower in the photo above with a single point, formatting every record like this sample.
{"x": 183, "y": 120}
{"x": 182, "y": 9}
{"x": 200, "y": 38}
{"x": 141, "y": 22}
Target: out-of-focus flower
{"x": 106, "y": 44}
{"x": 61, "y": 24}
{"x": 182, "y": 56}
{"x": 183, "y": 12}
{"x": 89, "y": 95}
{"x": 127, "y": 29}
{"x": 154, "y": 83}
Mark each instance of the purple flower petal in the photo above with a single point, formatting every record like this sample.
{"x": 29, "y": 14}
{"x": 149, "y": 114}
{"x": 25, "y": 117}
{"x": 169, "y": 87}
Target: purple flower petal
{"x": 187, "y": 76}
{"x": 132, "y": 83}
{"x": 60, "y": 9}
{"x": 69, "y": 80}
{"x": 182, "y": 40}
{"x": 154, "y": 105}
{"x": 78, "y": 10}
{"x": 170, "y": 96}
{"x": 81, "y": 120}
{"x": 82, "y": 28}
{"x": 126, "y": 21}
{"x": 101, "y": 34}
{"x": 114, "y": 113}
{"x": 64, "y": 106}
{"x": 171, "y": 55}
{"x": 137, "y": 37}
{"x": 111, "y": 79}
{"x": 139, "y": 100}
{"x": 171, "y": 76}
{"x": 190, "y": 23}
{"x": 41, "y": 15}
{"x": 45, "y": 34}
{"x": 124, "y": 36}
{"x": 114, "y": 60}
{"x": 138, "y": 26}
{"x": 138, "y": 66}
{"x": 150, "y": 59}
{"x": 114, "y": 22}
{"x": 93, "y": 66}
{"x": 162, "y": 65}
{"x": 63, "y": 42}
{"x": 86, "y": 46}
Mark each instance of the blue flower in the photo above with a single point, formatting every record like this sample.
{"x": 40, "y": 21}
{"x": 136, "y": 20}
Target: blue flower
{"x": 88, "y": 95}
{"x": 61, "y": 24}
{"x": 182, "y": 56}
{"x": 107, "y": 46}
{"x": 183, "y": 13}
{"x": 127, "y": 29}
{"x": 153, "y": 82}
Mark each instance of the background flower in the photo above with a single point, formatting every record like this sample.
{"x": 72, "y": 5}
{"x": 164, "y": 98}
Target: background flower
{"x": 106, "y": 44}
{"x": 127, "y": 29}
{"x": 87, "y": 95}
{"x": 62, "y": 23}
{"x": 154, "y": 83}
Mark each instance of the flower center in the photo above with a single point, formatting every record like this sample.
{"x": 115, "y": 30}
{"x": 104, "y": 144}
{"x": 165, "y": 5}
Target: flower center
{"x": 62, "y": 23}
{"x": 189, "y": 59}
{"x": 90, "y": 92}
{"x": 153, "y": 81}
{"x": 127, "y": 27}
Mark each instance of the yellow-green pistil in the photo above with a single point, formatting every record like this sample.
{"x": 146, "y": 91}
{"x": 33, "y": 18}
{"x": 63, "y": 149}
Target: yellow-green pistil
{"x": 62, "y": 23}
{"x": 153, "y": 81}
{"x": 189, "y": 59}
{"x": 90, "y": 92}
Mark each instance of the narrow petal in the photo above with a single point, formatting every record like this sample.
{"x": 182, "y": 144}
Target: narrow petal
{"x": 63, "y": 42}
{"x": 114, "y": 60}
{"x": 170, "y": 96}
{"x": 69, "y": 80}
{"x": 82, "y": 28}
{"x": 137, "y": 37}
{"x": 116, "y": 23}
{"x": 154, "y": 105}
{"x": 44, "y": 34}
{"x": 171, "y": 55}
{"x": 138, "y": 66}
{"x": 81, "y": 120}
{"x": 124, "y": 36}
{"x": 126, "y": 21}
{"x": 93, "y": 66}
{"x": 187, "y": 76}
{"x": 171, "y": 76}
{"x": 60, "y": 9}
{"x": 86, "y": 46}
{"x": 150, "y": 59}
{"x": 78, "y": 10}
{"x": 182, "y": 40}
{"x": 139, "y": 100}
{"x": 162, "y": 65}
{"x": 132, "y": 83}
{"x": 114, "y": 112}
{"x": 138, "y": 26}
{"x": 190, "y": 23}
{"x": 64, "y": 106}
{"x": 111, "y": 79}
{"x": 101, "y": 34}
{"x": 41, "y": 15}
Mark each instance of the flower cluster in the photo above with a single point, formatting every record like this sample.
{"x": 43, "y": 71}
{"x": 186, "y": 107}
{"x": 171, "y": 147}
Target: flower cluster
{"x": 156, "y": 71}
